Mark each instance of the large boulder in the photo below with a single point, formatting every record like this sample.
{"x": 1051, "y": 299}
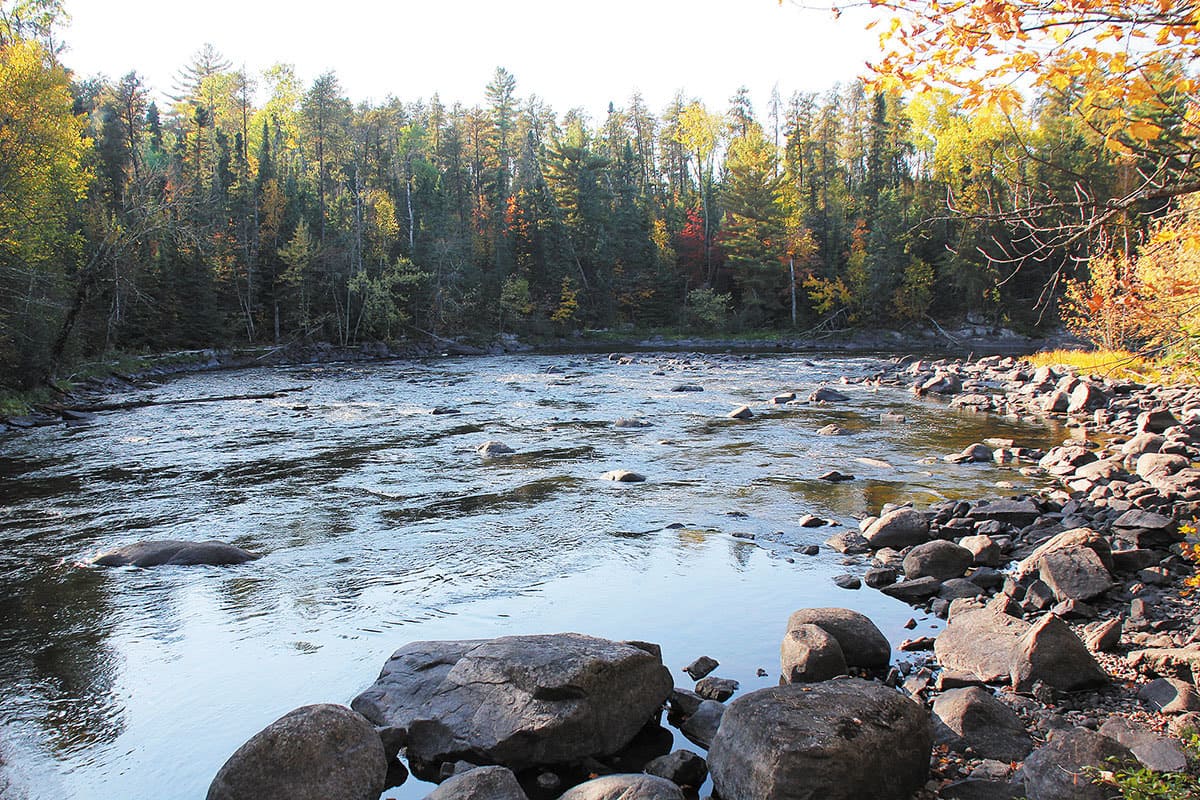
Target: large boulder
{"x": 862, "y": 643}
{"x": 972, "y": 717}
{"x": 899, "y": 528}
{"x": 980, "y": 642}
{"x": 170, "y": 552}
{"x": 1013, "y": 512}
{"x": 1075, "y": 573}
{"x": 940, "y": 559}
{"x": 844, "y": 739}
{"x": 483, "y": 783}
{"x": 1052, "y": 654}
{"x": 312, "y": 753}
{"x": 517, "y": 701}
{"x": 1141, "y": 528}
{"x": 809, "y": 654}
{"x": 827, "y": 395}
{"x": 1062, "y": 769}
{"x": 1076, "y": 537}
{"x": 1158, "y": 465}
{"x": 625, "y": 787}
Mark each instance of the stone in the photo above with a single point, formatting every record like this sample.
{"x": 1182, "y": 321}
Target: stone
{"x": 940, "y": 559}
{"x": 1154, "y": 752}
{"x": 702, "y": 666}
{"x": 977, "y": 453}
{"x": 981, "y": 642}
{"x": 1076, "y": 537}
{"x": 1056, "y": 402}
{"x": 1156, "y": 421}
{"x": 809, "y": 654}
{"x": 984, "y": 550}
{"x": 682, "y": 767}
{"x": 312, "y": 753}
{"x": 1170, "y": 696}
{"x": 1157, "y": 465}
{"x": 623, "y": 476}
{"x": 702, "y": 726}
{"x": 973, "y": 788}
{"x": 833, "y": 476}
{"x": 631, "y": 422}
{"x": 862, "y": 643}
{"x": 958, "y": 588}
{"x": 492, "y": 449}
{"x": 1051, "y": 653}
{"x": 831, "y": 430}
{"x": 917, "y": 590}
{"x": 1060, "y": 769}
{"x": 684, "y": 702}
{"x": 719, "y": 689}
{"x": 811, "y": 521}
{"x": 849, "y": 542}
{"x": 1146, "y": 529}
{"x": 1013, "y": 512}
{"x": 550, "y": 698}
{"x": 847, "y": 581}
{"x": 844, "y": 739}
{"x": 1104, "y": 635}
{"x": 900, "y": 528}
{"x": 1086, "y": 397}
{"x": 171, "y": 552}
{"x": 741, "y": 412}
{"x": 878, "y": 577}
{"x": 481, "y": 783}
{"x": 687, "y": 387}
{"x": 625, "y": 787}
{"x": 1075, "y": 573}
{"x": 941, "y": 383}
{"x": 827, "y": 395}
{"x": 982, "y": 723}
{"x": 1142, "y": 443}
{"x": 1065, "y": 459}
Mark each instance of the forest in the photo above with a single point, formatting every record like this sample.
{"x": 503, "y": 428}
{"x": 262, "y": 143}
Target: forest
{"x": 255, "y": 209}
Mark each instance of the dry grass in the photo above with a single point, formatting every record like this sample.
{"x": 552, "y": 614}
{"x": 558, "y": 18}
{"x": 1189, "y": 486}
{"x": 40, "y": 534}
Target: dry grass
{"x": 1109, "y": 363}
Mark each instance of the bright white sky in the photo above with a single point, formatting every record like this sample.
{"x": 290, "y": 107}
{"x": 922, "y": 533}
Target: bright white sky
{"x": 571, "y": 54}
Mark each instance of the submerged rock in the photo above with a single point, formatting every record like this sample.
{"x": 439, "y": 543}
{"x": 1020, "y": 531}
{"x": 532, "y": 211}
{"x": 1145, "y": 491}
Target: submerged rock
{"x": 168, "y": 552}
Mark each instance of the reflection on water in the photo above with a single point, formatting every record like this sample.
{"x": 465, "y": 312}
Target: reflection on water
{"x": 379, "y": 525}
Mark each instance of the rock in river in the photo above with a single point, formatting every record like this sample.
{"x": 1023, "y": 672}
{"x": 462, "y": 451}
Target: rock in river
{"x": 861, "y": 642}
{"x": 941, "y": 559}
{"x": 312, "y": 753}
{"x": 625, "y": 787}
{"x": 844, "y": 739}
{"x": 517, "y": 701}
{"x": 484, "y": 783}
{"x": 492, "y": 449}
{"x": 623, "y": 476}
{"x": 171, "y": 552}
{"x": 899, "y": 528}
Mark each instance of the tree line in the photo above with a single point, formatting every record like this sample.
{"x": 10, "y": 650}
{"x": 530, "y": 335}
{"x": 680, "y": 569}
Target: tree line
{"x": 256, "y": 209}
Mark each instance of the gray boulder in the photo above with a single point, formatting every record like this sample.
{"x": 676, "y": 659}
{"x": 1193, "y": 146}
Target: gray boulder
{"x": 1076, "y": 537}
{"x": 482, "y": 783}
{"x": 170, "y": 552}
{"x": 981, "y": 642}
{"x": 899, "y": 528}
{"x": 809, "y": 654}
{"x": 681, "y": 766}
{"x": 862, "y": 643}
{"x": 1146, "y": 529}
{"x": 625, "y": 787}
{"x": 702, "y": 726}
{"x": 1060, "y": 769}
{"x": 940, "y": 559}
{"x": 491, "y": 449}
{"x": 1156, "y": 421}
{"x": 1170, "y": 696}
{"x": 312, "y": 753}
{"x": 1013, "y": 512}
{"x": 1154, "y": 752}
{"x": 1052, "y": 654}
{"x": 976, "y": 719}
{"x": 741, "y": 412}
{"x": 844, "y": 739}
{"x": 1086, "y": 397}
{"x": 985, "y": 552}
{"x": 1075, "y": 573}
{"x": 827, "y": 395}
{"x": 1142, "y": 443}
{"x": 1159, "y": 465}
{"x": 516, "y": 701}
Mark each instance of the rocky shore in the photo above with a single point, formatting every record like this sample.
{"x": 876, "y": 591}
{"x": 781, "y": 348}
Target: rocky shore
{"x": 1070, "y": 640}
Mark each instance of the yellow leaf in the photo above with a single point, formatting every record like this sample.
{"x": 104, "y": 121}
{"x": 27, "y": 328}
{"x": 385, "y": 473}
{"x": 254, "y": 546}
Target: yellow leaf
{"x": 1146, "y": 131}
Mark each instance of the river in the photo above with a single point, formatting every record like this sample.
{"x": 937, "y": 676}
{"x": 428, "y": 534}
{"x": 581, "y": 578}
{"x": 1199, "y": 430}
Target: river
{"x": 380, "y": 525}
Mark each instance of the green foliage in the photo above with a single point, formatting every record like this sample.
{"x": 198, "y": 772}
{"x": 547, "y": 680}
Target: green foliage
{"x": 708, "y": 310}
{"x": 1140, "y": 783}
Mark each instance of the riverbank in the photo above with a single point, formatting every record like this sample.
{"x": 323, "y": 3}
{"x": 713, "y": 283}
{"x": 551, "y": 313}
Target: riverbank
{"x": 68, "y": 399}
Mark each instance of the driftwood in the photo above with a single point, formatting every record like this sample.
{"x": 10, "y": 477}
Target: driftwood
{"x": 128, "y": 404}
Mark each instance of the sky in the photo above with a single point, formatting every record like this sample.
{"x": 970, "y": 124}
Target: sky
{"x": 571, "y": 54}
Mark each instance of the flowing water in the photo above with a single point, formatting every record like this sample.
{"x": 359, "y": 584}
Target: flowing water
{"x": 380, "y": 525}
